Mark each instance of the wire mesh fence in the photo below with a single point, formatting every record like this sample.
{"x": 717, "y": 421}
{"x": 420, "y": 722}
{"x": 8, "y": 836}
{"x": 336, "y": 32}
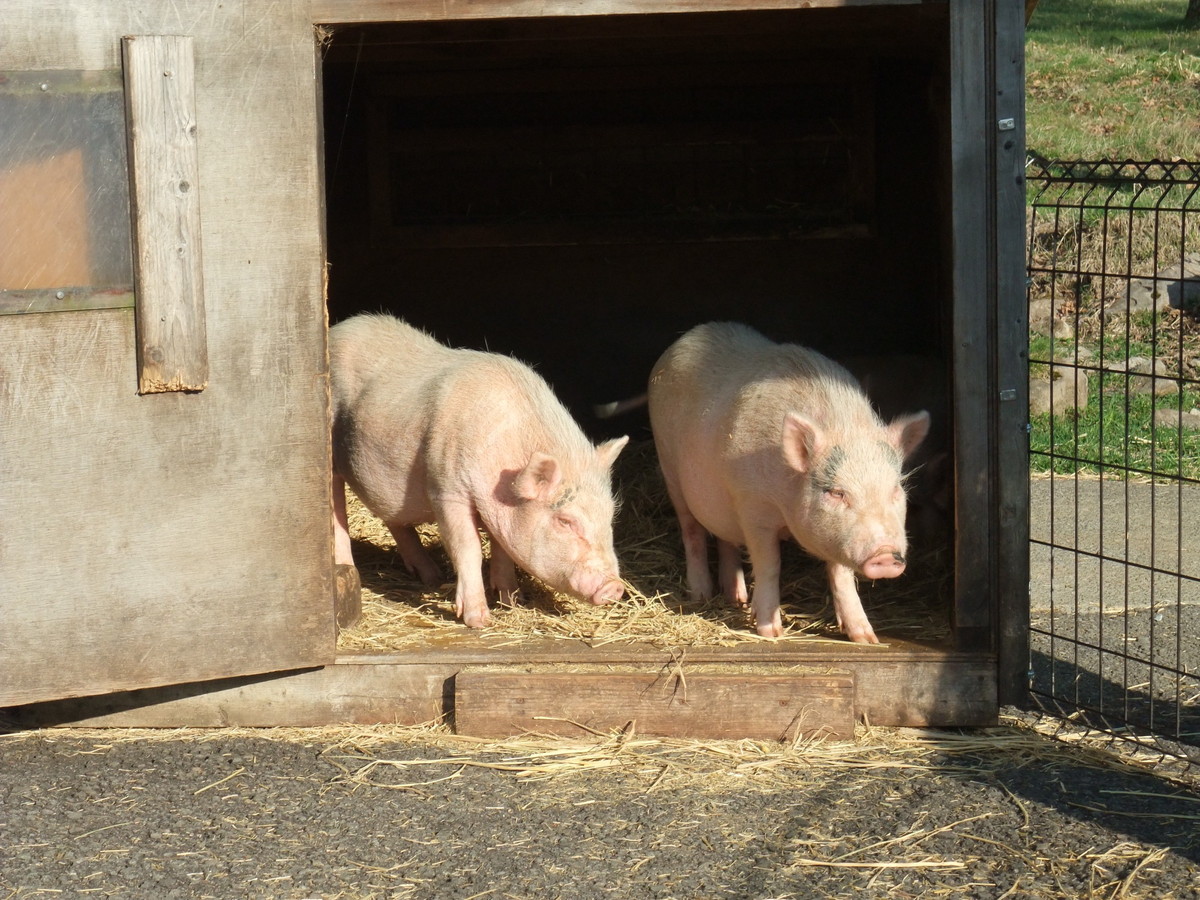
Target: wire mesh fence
{"x": 1114, "y": 303}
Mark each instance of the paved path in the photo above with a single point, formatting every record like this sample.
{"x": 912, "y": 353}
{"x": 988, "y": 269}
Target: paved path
{"x": 1115, "y": 543}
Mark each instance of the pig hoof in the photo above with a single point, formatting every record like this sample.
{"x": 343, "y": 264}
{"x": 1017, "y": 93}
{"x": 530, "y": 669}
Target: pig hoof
{"x": 477, "y": 619}
{"x": 770, "y": 627}
{"x": 862, "y": 635}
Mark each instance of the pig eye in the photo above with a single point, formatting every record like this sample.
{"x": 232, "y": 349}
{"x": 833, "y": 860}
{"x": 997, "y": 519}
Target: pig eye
{"x": 567, "y": 522}
{"x": 837, "y": 495}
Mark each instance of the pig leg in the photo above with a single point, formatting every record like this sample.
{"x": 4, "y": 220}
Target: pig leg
{"x": 731, "y": 574}
{"x": 695, "y": 544}
{"x": 764, "y": 558}
{"x": 460, "y": 535}
{"x": 502, "y": 575}
{"x": 342, "y": 554}
{"x": 416, "y": 558}
{"x": 847, "y": 606}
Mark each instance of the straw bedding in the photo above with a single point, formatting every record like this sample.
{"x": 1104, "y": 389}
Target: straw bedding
{"x": 399, "y": 612}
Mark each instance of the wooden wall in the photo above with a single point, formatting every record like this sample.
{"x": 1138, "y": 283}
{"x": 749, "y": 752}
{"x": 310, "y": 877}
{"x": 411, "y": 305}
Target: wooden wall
{"x": 186, "y": 535}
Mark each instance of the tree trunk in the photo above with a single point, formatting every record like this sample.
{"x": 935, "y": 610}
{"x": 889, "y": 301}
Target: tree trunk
{"x": 1192, "y": 16}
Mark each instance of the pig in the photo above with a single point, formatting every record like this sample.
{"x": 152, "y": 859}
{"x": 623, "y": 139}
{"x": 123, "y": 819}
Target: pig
{"x": 427, "y": 433}
{"x": 758, "y": 441}
{"x": 903, "y": 382}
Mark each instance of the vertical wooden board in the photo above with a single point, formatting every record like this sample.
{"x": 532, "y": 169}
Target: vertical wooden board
{"x": 972, "y": 208}
{"x": 160, "y": 108}
{"x": 1012, "y": 339}
{"x": 489, "y": 703}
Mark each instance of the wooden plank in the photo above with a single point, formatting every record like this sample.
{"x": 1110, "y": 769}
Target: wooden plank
{"x": 332, "y": 12}
{"x": 165, "y": 200}
{"x": 1012, "y": 344}
{"x": 676, "y": 701}
{"x": 972, "y": 207}
{"x": 913, "y": 687}
{"x": 63, "y": 300}
{"x": 334, "y": 695}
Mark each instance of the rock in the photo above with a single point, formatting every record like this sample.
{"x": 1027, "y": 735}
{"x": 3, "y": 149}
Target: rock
{"x": 1045, "y": 319}
{"x": 1041, "y": 314}
{"x": 1175, "y": 287}
{"x": 1138, "y": 365}
{"x": 1173, "y": 418}
{"x": 1147, "y": 384}
{"x": 1066, "y": 389}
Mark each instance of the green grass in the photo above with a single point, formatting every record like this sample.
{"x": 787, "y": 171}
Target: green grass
{"x": 1116, "y": 430}
{"x": 1112, "y": 79}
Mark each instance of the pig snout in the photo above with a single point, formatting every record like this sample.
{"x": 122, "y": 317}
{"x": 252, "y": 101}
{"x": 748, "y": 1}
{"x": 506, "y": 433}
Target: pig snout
{"x": 597, "y": 587}
{"x": 885, "y": 562}
{"x": 611, "y": 590}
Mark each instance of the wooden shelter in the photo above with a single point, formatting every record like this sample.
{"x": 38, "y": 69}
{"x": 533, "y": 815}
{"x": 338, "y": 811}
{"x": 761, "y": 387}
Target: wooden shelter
{"x": 190, "y": 191}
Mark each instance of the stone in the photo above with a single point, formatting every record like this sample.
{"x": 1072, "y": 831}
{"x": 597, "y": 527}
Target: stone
{"x": 1066, "y": 389}
{"x": 1176, "y": 286}
{"x": 1041, "y": 315}
{"x": 1173, "y": 418}
{"x": 1147, "y": 384}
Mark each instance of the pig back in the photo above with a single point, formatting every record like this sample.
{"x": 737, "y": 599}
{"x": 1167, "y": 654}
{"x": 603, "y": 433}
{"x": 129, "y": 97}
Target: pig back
{"x": 726, "y": 385}
{"x": 412, "y": 415}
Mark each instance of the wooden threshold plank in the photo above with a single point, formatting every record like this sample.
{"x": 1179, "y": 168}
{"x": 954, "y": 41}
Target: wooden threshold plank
{"x": 681, "y": 703}
{"x": 334, "y": 12}
{"x": 890, "y": 688}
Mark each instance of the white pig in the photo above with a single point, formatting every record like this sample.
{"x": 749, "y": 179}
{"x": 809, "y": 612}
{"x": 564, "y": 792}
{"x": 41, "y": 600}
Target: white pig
{"x": 470, "y": 440}
{"x": 759, "y": 440}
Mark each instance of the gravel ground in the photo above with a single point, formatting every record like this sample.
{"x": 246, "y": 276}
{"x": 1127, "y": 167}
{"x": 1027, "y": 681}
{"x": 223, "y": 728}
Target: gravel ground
{"x": 397, "y": 813}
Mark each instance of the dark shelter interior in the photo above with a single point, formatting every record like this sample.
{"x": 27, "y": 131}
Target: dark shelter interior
{"x": 579, "y": 191}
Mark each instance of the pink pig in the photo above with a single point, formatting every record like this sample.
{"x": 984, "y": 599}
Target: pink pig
{"x": 759, "y": 440}
{"x": 470, "y": 440}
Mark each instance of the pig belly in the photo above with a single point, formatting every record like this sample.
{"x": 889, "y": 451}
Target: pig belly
{"x": 710, "y": 501}
{"x": 395, "y": 500}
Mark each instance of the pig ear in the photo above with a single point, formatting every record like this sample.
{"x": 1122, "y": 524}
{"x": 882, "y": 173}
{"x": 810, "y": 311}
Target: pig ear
{"x": 907, "y": 432}
{"x": 539, "y": 478}
{"x": 607, "y": 452}
{"x": 802, "y": 442}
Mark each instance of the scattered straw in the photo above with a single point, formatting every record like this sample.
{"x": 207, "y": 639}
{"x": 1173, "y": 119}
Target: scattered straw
{"x": 400, "y": 613}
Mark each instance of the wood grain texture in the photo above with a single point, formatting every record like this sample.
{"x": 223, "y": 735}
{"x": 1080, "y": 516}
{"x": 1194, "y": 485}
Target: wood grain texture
{"x": 678, "y": 701}
{"x": 911, "y": 687}
{"x": 1012, "y": 362}
{"x": 160, "y": 113}
{"x": 334, "y": 695}
{"x": 974, "y": 388}
{"x": 346, "y": 11}
{"x": 177, "y": 537}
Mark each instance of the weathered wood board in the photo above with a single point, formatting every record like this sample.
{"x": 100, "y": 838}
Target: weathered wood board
{"x": 902, "y": 686}
{"x": 332, "y": 11}
{"x": 160, "y": 113}
{"x": 699, "y": 702}
{"x": 176, "y": 537}
{"x": 334, "y": 695}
